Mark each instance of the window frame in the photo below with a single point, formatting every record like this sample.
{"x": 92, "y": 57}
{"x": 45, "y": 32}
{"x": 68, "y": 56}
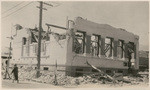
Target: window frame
{"x": 97, "y": 42}
{"x": 121, "y": 47}
{"x": 109, "y": 47}
{"x": 82, "y": 44}
{"x": 46, "y": 68}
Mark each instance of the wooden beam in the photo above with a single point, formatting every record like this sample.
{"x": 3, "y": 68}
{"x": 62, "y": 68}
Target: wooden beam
{"x": 102, "y": 72}
{"x": 56, "y": 26}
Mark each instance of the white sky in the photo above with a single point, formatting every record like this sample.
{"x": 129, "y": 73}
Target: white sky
{"x": 132, "y": 16}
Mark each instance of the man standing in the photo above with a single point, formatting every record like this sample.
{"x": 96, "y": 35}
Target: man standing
{"x": 15, "y": 72}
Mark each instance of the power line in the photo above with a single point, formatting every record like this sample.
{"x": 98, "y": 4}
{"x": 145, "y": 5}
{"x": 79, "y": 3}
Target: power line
{"x": 17, "y": 10}
{"x": 12, "y": 7}
{"x": 56, "y": 4}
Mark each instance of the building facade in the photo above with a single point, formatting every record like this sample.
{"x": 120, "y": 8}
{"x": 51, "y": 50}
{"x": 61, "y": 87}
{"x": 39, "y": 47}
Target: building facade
{"x": 101, "y": 45}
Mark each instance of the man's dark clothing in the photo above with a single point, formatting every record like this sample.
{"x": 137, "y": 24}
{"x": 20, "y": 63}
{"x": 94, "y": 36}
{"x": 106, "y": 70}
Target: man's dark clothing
{"x": 15, "y": 72}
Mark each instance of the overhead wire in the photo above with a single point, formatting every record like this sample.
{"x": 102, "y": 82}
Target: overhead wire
{"x": 12, "y": 8}
{"x": 17, "y": 10}
{"x": 55, "y": 4}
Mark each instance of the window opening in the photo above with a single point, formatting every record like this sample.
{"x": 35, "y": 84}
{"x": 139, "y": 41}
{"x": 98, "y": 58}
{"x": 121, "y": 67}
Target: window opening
{"x": 95, "y": 45}
{"x": 108, "y": 47}
{"x": 79, "y": 42}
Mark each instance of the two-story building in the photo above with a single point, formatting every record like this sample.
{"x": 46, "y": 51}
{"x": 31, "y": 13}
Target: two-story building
{"x": 102, "y": 45}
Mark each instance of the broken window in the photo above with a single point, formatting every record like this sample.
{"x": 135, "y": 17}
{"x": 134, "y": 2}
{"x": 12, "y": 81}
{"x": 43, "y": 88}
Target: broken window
{"x": 95, "y": 45}
{"x": 120, "y": 49}
{"x": 131, "y": 49}
{"x": 33, "y": 38}
{"x": 79, "y": 42}
{"x": 24, "y": 40}
{"x": 131, "y": 53}
{"x": 108, "y": 47}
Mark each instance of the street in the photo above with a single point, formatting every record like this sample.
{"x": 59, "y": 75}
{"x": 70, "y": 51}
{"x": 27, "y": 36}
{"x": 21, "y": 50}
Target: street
{"x": 25, "y": 84}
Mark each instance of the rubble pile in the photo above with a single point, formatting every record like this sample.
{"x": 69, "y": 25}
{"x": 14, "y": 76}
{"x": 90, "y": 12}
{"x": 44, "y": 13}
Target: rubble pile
{"x": 44, "y": 78}
{"x": 62, "y": 80}
{"x": 137, "y": 80}
{"x": 49, "y": 77}
{"x": 26, "y": 73}
{"x": 68, "y": 80}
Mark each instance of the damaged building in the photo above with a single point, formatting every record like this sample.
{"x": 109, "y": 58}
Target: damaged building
{"x": 108, "y": 48}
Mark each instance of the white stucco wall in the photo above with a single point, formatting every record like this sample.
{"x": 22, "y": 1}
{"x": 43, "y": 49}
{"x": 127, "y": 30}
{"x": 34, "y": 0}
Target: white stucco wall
{"x": 53, "y": 51}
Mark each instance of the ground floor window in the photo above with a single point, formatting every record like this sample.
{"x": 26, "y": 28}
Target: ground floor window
{"x": 93, "y": 70}
{"x": 120, "y": 71}
{"x": 79, "y": 72}
{"x": 45, "y": 68}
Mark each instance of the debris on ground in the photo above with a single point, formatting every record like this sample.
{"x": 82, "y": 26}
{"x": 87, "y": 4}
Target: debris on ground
{"x": 63, "y": 80}
{"x": 96, "y": 78}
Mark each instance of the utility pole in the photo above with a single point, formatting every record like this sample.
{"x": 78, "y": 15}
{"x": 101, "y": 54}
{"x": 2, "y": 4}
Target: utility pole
{"x": 39, "y": 36}
{"x": 7, "y": 63}
{"x": 39, "y": 40}
{"x": 10, "y": 55}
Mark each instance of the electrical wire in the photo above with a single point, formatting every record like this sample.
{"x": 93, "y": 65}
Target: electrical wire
{"x": 12, "y": 8}
{"x": 56, "y": 4}
{"x": 17, "y": 10}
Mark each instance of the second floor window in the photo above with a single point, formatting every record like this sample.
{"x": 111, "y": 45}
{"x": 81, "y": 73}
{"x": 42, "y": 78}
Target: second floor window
{"x": 79, "y": 42}
{"x": 95, "y": 45}
{"x": 24, "y": 40}
{"x": 108, "y": 47}
{"x": 120, "y": 49}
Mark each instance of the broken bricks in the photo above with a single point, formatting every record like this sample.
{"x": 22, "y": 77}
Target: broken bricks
{"x": 63, "y": 80}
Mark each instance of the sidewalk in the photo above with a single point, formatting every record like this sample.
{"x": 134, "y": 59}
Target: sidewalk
{"x": 25, "y": 85}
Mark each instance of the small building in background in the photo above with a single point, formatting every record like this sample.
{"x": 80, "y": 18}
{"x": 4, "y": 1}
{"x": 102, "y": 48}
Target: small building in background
{"x": 143, "y": 60}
